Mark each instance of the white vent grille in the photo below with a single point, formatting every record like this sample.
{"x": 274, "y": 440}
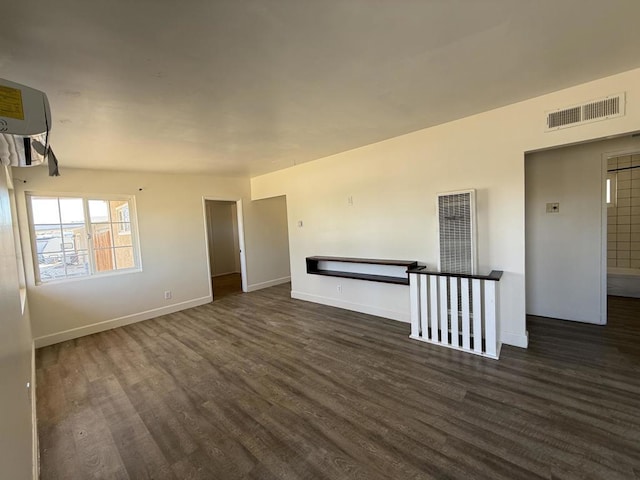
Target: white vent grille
{"x": 601, "y": 109}
{"x": 456, "y": 227}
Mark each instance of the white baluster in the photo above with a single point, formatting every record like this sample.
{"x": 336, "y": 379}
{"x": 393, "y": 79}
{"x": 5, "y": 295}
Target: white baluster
{"x": 414, "y": 283}
{"x": 477, "y": 315}
{"x": 424, "y": 308}
{"x": 433, "y": 307}
{"x": 490, "y": 317}
{"x": 444, "y": 314}
{"x": 466, "y": 329}
{"x": 453, "y": 299}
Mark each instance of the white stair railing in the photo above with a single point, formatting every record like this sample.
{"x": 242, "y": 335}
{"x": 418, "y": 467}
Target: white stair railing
{"x": 455, "y": 310}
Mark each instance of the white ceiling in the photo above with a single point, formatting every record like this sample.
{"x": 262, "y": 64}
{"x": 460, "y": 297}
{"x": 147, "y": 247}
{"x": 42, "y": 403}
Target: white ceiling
{"x": 251, "y": 86}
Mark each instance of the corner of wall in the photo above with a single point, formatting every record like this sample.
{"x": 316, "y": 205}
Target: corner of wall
{"x": 515, "y": 339}
{"x": 34, "y": 416}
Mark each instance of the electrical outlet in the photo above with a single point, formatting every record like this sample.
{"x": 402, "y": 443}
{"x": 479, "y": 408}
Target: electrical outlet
{"x": 350, "y": 200}
{"x": 167, "y": 295}
{"x": 339, "y": 288}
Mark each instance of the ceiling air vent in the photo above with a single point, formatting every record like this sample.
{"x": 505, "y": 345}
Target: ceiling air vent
{"x": 595, "y": 110}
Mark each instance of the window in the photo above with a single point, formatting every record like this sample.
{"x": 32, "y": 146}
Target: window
{"x": 81, "y": 236}
{"x": 611, "y": 189}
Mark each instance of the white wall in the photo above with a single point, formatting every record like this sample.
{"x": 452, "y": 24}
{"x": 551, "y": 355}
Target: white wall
{"x": 172, "y": 239}
{"x": 564, "y": 255}
{"x": 394, "y": 185}
{"x": 16, "y": 427}
{"x": 267, "y": 243}
{"x": 223, "y": 246}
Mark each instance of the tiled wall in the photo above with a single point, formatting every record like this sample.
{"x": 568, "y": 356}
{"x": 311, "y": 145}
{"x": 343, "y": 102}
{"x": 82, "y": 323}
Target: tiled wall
{"x": 623, "y": 239}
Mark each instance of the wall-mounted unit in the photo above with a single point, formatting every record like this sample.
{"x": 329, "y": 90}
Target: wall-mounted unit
{"x": 457, "y": 232}
{"x": 25, "y": 122}
{"x": 604, "y": 108}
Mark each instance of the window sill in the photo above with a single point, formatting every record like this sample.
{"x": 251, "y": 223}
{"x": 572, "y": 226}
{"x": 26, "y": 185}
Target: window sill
{"x": 89, "y": 277}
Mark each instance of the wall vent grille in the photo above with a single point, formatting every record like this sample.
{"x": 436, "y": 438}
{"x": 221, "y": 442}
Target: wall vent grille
{"x": 456, "y": 231}
{"x": 601, "y": 109}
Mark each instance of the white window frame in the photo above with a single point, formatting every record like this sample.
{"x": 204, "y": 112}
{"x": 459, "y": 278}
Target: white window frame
{"x": 93, "y": 272}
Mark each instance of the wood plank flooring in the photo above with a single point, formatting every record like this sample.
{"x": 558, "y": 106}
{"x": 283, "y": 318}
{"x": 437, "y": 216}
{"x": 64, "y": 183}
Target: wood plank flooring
{"x": 226, "y": 285}
{"x": 260, "y": 386}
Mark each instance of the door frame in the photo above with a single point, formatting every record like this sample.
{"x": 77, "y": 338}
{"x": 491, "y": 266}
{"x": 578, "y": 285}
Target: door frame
{"x": 605, "y": 223}
{"x": 241, "y": 243}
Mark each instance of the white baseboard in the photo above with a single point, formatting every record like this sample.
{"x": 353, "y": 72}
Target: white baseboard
{"x": 270, "y": 283}
{"x": 223, "y": 274}
{"x": 356, "y": 307}
{"x": 515, "y": 339}
{"x": 118, "y": 322}
{"x": 35, "y": 447}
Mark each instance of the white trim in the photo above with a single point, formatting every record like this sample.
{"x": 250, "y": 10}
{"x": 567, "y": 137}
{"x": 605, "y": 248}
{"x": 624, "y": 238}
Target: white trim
{"x": 206, "y": 244}
{"x": 270, "y": 283}
{"x": 356, "y": 307}
{"x": 243, "y": 256}
{"x": 223, "y": 274}
{"x": 72, "y": 333}
{"x": 515, "y": 339}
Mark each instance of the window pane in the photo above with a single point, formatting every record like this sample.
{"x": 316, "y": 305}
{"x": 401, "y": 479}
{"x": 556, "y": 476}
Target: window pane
{"x": 51, "y": 266}
{"x": 72, "y": 210}
{"x": 75, "y": 238}
{"x": 124, "y": 257}
{"x": 102, "y": 235}
{"x": 122, "y": 234}
{"x": 77, "y": 263}
{"x": 45, "y": 210}
{"x": 119, "y": 210}
{"x": 104, "y": 259}
{"x": 99, "y": 210}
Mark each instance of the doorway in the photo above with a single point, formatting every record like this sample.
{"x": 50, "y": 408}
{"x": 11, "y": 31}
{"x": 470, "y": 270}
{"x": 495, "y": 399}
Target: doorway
{"x": 567, "y": 234}
{"x": 622, "y": 200}
{"x": 225, "y": 247}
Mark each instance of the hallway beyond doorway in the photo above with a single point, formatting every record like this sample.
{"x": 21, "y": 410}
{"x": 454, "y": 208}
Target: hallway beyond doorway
{"x": 225, "y": 285}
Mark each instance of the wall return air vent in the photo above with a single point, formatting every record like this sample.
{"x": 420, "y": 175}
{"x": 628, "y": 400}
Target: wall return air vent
{"x": 457, "y": 232}
{"x": 595, "y": 110}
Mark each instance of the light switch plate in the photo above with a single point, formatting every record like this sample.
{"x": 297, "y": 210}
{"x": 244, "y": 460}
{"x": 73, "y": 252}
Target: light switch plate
{"x": 553, "y": 207}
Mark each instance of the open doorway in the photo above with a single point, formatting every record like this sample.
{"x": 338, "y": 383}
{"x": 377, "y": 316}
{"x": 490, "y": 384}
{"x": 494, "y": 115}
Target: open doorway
{"x": 567, "y": 232}
{"x": 225, "y": 247}
{"x": 623, "y": 224}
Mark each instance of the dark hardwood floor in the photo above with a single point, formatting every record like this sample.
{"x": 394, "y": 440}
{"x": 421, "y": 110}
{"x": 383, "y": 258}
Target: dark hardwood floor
{"x": 260, "y": 386}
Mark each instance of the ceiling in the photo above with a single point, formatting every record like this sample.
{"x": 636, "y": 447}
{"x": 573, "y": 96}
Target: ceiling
{"x": 245, "y": 87}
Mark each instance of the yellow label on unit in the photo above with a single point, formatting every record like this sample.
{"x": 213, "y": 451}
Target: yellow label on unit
{"x": 11, "y": 103}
